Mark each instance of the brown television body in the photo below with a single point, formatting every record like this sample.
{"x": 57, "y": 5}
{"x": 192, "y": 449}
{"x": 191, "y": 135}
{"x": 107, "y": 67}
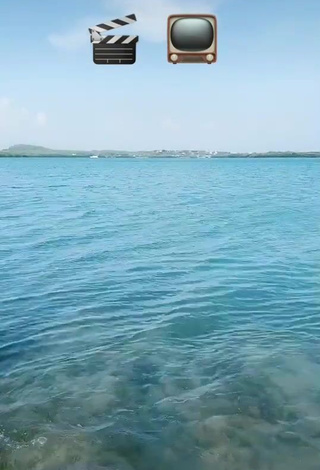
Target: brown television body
{"x": 192, "y": 57}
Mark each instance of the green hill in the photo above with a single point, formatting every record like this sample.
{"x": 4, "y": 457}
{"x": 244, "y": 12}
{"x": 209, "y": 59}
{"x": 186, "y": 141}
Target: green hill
{"x": 36, "y": 150}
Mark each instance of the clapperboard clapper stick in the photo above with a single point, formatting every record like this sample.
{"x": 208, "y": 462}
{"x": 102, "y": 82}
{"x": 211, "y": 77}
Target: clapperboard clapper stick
{"x": 119, "y": 50}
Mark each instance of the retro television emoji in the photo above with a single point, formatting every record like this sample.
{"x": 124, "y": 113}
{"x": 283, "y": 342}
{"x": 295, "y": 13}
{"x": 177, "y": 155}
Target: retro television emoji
{"x": 192, "y": 39}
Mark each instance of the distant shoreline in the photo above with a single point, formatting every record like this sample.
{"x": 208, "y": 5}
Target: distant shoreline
{"x": 36, "y": 151}
{"x": 172, "y": 157}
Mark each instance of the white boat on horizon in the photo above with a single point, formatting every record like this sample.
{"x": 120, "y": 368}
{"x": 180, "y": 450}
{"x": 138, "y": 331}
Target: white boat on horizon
{"x": 94, "y": 156}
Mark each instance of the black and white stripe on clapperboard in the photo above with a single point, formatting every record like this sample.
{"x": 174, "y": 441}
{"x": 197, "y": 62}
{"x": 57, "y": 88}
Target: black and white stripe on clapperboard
{"x": 114, "y": 49}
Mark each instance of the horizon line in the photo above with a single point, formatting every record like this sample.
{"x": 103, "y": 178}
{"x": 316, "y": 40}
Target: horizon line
{"x": 15, "y": 146}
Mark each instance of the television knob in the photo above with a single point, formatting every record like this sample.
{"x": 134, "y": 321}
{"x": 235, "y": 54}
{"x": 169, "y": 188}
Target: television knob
{"x": 174, "y": 57}
{"x": 210, "y": 57}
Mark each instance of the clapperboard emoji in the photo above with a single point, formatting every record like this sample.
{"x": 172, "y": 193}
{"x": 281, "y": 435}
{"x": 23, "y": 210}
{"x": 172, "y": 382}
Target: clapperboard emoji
{"x": 119, "y": 50}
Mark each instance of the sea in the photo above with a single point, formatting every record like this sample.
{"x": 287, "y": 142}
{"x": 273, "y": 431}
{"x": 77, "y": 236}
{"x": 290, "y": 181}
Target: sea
{"x": 159, "y": 314}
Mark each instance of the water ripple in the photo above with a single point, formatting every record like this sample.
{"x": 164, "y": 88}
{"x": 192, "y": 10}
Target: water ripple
{"x": 159, "y": 314}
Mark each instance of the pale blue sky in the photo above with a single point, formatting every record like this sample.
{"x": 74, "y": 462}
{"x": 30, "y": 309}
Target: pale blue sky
{"x": 262, "y": 94}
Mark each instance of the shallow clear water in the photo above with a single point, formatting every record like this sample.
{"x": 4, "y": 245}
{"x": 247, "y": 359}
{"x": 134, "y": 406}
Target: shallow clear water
{"x": 159, "y": 314}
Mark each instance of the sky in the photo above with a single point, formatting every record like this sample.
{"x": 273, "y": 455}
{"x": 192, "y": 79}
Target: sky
{"x": 263, "y": 94}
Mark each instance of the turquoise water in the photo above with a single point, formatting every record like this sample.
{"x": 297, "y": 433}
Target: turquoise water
{"x": 159, "y": 315}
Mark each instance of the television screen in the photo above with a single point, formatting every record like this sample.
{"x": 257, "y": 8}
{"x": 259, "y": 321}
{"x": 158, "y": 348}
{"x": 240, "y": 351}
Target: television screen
{"x": 192, "y": 34}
